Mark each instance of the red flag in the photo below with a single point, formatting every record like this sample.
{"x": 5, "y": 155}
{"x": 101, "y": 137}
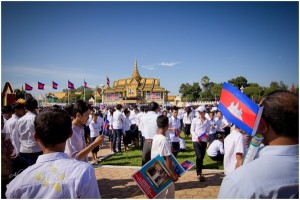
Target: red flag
{"x": 70, "y": 85}
{"x": 85, "y": 84}
{"x": 40, "y": 86}
{"x": 107, "y": 81}
{"x": 54, "y": 85}
{"x": 28, "y": 87}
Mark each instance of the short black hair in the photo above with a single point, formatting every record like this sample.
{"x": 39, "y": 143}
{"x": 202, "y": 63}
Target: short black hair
{"x": 162, "y": 121}
{"x": 281, "y": 111}
{"x": 7, "y": 109}
{"x": 153, "y": 106}
{"x": 126, "y": 111}
{"x": 119, "y": 106}
{"x": 69, "y": 109}
{"x": 80, "y": 107}
{"x": 53, "y": 127}
{"x": 31, "y": 104}
{"x": 174, "y": 108}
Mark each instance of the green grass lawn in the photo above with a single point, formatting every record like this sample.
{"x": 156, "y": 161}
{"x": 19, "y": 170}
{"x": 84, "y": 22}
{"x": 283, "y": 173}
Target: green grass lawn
{"x": 134, "y": 157}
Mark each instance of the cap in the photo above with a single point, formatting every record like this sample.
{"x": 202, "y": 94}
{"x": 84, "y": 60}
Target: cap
{"x": 201, "y": 109}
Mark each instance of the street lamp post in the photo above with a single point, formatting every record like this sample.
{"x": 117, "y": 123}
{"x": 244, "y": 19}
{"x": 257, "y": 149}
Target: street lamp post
{"x": 102, "y": 91}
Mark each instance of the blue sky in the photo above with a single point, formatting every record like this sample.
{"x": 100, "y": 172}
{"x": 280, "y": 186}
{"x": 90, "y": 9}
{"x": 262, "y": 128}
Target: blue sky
{"x": 178, "y": 42}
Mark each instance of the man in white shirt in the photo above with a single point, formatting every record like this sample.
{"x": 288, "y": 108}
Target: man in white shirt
{"x": 29, "y": 149}
{"x": 235, "y": 147}
{"x": 134, "y": 125}
{"x": 174, "y": 131}
{"x": 9, "y": 127}
{"x": 221, "y": 123}
{"x": 117, "y": 124}
{"x": 54, "y": 176}
{"x": 274, "y": 173}
{"x": 200, "y": 128}
{"x": 149, "y": 131}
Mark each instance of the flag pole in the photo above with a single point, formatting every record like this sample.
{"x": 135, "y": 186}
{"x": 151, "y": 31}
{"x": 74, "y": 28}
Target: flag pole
{"x": 84, "y": 93}
{"x": 68, "y": 96}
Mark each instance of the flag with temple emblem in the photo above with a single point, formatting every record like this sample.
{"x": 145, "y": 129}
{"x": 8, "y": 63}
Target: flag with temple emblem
{"x": 84, "y": 84}
{"x": 54, "y": 85}
{"x": 41, "y": 86}
{"x": 70, "y": 85}
{"x": 239, "y": 109}
{"x": 28, "y": 87}
{"x": 107, "y": 81}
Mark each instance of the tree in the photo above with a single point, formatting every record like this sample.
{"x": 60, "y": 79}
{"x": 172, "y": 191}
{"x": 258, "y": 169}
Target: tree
{"x": 190, "y": 92}
{"x": 274, "y": 86}
{"x": 205, "y": 82}
{"x": 19, "y": 94}
{"x": 239, "y": 82}
{"x": 216, "y": 90}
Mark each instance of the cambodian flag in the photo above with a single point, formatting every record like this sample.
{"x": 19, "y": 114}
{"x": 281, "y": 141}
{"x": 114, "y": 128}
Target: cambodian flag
{"x": 239, "y": 109}
{"x": 107, "y": 81}
{"x": 106, "y": 127}
{"x": 70, "y": 85}
{"x": 187, "y": 165}
{"x": 28, "y": 87}
{"x": 84, "y": 84}
{"x": 41, "y": 86}
{"x": 54, "y": 85}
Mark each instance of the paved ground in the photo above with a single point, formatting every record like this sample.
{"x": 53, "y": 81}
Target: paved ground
{"x": 116, "y": 182}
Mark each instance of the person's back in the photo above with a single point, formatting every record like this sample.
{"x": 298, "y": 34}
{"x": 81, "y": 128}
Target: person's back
{"x": 234, "y": 144}
{"x": 55, "y": 175}
{"x": 275, "y": 171}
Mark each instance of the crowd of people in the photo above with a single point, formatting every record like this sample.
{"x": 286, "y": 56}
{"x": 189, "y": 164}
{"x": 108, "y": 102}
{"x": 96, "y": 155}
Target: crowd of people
{"x": 37, "y": 145}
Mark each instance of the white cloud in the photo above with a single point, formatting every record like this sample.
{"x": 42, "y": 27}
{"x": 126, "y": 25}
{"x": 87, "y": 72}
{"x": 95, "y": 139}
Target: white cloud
{"x": 149, "y": 67}
{"x": 168, "y": 64}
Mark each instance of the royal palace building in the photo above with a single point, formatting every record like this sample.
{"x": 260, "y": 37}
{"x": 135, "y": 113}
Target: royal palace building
{"x": 135, "y": 90}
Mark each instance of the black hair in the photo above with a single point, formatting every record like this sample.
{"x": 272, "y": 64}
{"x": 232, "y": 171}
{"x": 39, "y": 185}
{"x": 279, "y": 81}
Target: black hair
{"x": 18, "y": 106}
{"x": 146, "y": 108}
{"x": 174, "y": 108}
{"x": 162, "y": 121}
{"x": 7, "y": 109}
{"x": 69, "y": 109}
{"x": 281, "y": 111}
{"x": 126, "y": 111}
{"x": 188, "y": 110}
{"x": 31, "y": 104}
{"x": 142, "y": 108}
{"x": 80, "y": 107}
{"x": 119, "y": 106}
{"x": 153, "y": 106}
{"x": 53, "y": 127}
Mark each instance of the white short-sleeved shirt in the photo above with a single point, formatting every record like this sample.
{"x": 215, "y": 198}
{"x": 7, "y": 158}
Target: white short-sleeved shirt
{"x": 25, "y": 130}
{"x": 94, "y": 128}
{"x": 8, "y": 129}
{"x": 150, "y": 125}
{"x": 55, "y": 176}
{"x": 160, "y": 146}
{"x": 220, "y": 123}
{"x": 215, "y": 147}
{"x": 188, "y": 118}
{"x": 174, "y": 123}
{"x": 118, "y": 118}
{"x": 126, "y": 125}
{"x": 234, "y": 143}
{"x": 76, "y": 143}
{"x": 212, "y": 124}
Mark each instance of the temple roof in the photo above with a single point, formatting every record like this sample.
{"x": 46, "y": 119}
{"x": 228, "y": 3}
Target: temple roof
{"x": 136, "y": 75}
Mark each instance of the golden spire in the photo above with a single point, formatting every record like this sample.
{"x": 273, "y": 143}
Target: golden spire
{"x": 136, "y": 73}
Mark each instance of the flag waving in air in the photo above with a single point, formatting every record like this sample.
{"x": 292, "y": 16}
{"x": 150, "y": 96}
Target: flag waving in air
{"x": 239, "y": 109}
{"x": 84, "y": 84}
{"x": 70, "y": 85}
{"x": 28, "y": 87}
{"x": 54, "y": 85}
{"x": 107, "y": 81}
{"x": 41, "y": 86}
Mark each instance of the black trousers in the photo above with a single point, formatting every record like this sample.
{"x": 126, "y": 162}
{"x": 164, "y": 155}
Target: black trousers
{"x": 200, "y": 149}
{"x": 117, "y": 139}
{"x": 146, "y": 155}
